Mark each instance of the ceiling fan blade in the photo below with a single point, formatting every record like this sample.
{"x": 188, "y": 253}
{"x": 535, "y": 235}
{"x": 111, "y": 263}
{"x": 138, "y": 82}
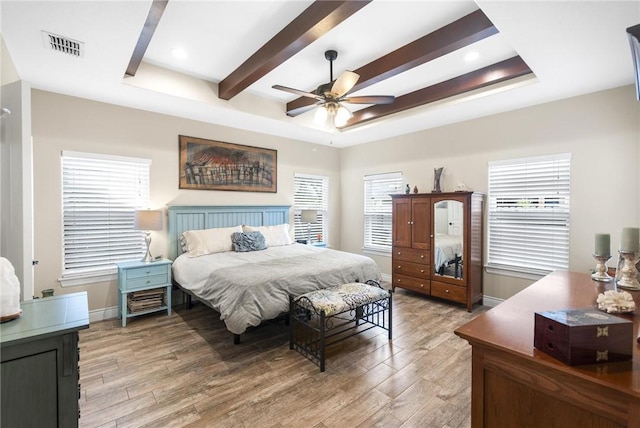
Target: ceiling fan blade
{"x": 370, "y": 99}
{"x": 298, "y": 92}
{"x": 344, "y": 83}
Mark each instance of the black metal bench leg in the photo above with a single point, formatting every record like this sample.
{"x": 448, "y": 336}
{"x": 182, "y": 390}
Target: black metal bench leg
{"x": 290, "y": 321}
{"x": 322, "y": 342}
{"x": 390, "y": 315}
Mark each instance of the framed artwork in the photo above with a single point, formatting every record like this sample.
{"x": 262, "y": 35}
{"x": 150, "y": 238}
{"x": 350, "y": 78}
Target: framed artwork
{"x": 216, "y": 165}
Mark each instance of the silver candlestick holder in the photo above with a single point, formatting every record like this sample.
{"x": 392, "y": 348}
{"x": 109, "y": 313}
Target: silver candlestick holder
{"x": 601, "y": 269}
{"x": 628, "y": 274}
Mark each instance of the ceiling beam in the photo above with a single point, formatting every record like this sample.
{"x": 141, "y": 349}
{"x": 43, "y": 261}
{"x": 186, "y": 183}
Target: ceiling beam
{"x": 490, "y": 75}
{"x": 153, "y": 18}
{"x": 458, "y": 34}
{"x": 310, "y": 25}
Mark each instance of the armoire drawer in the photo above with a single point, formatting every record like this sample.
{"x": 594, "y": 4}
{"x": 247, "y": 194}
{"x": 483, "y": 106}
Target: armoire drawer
{"x": 413, "y": 255}
{"x": 455, "y": 293}
{"x": 410, "y": 283}
{"x": 422, "y": 271}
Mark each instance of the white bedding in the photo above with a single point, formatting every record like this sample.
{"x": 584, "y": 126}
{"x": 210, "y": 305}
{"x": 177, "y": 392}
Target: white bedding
{"x": 447, "y": 247}
{"x": 248, "y": 288}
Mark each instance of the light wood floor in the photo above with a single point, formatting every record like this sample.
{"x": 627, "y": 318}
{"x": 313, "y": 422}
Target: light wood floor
{"x": 184, "y": 371}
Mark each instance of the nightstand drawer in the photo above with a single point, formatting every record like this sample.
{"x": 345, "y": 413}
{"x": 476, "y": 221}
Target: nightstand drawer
{"x": 148, "y": 281}
{"x": 145, "y": 271}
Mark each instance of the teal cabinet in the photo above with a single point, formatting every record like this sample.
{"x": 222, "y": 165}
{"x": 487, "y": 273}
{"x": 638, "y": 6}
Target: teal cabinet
{"x": 39, "y": 370}
{"x": 138, "y": 276}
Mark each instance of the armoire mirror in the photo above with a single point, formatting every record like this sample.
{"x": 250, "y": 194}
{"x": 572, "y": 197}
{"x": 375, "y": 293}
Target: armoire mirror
{"x": 448, "y": 238}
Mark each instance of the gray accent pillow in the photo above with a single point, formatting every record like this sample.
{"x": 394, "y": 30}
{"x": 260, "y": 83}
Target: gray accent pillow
{"x": 248, "y": 241}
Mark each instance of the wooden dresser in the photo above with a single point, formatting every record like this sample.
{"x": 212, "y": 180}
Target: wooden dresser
{"x": 40, "y": 363}
{"x": 515, "y": 385}
{"x": 437, "y": 245}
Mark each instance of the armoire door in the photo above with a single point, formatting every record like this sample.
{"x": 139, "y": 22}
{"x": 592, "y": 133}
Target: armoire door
{"x": 421, "y": 223}
{"x": 402, "y": 222}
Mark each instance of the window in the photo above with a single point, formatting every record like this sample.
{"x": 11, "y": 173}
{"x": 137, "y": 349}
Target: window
{"x": 377, "y": 210}
{"x": 99, "y": 197}
{"x": 529, "y": 214}
{"x": 311, "y": 193}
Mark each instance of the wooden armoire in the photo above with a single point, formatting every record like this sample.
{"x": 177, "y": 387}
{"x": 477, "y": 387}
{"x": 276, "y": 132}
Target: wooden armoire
{"x": 437, "y": 245}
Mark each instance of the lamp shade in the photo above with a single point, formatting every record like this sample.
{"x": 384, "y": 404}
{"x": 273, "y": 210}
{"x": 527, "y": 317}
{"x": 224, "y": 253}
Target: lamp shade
{"x": 309, "y": 216}
{"x": 148, "y": 220}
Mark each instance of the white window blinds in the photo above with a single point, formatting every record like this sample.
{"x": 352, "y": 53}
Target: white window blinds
{"x": 377, "y": 209}
{"x": 311, "y": 193}
{"x": 99, "y": 197}
{"x": 529, "y": 214}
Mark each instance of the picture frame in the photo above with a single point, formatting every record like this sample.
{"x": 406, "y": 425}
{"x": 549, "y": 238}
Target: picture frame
{"x": 218, "y": 165}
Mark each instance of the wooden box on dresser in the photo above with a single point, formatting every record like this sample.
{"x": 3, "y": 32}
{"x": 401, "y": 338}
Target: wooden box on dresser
{"x": 437, "y": 245}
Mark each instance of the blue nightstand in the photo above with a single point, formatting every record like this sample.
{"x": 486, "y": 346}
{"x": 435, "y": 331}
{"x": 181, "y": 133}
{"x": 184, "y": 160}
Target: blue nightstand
{"x": 319, "y": 244}
{"x": 141, "y": 276}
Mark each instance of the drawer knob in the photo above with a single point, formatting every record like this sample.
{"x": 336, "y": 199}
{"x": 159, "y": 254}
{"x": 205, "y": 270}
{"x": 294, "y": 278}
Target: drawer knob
{"x": 422, "y": 256}
{"x": 148, "y": 281}
{"x": 446, "y": 291}
{"x": 399, "y": 253}
{"x": 421, "y": 270}
{"x": 148, "y": 271}
{"x": 421, "y": 285}
{"x": 399, "y": 280}
{"x": 399, "y": 267}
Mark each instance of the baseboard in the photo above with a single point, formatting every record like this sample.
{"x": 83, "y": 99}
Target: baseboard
{"x": 491, "y": 301}
{"x": 103, "y": 314}
{"x": 112, "y": 312}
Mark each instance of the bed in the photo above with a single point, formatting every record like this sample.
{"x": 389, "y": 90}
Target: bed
{"x": 448, "y": 251}
{"x": 247, "y": 288}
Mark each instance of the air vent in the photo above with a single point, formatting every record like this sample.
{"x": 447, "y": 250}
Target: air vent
{"x": 63, "y": 44}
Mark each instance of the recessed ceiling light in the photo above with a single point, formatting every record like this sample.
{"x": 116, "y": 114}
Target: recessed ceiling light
{"x": 179, "y": 53}
{"x": 471, "y": 56}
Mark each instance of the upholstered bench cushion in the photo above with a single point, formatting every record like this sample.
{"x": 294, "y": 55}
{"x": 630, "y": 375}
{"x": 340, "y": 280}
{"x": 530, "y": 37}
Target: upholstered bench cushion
{"x": 334, "y": 300}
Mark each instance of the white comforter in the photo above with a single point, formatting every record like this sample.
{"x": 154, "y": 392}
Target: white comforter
{"x": 447, "y": 248}
{"x": 248, "y": 288}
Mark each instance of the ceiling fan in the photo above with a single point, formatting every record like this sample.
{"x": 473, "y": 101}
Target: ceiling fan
{"x": 331, "y": 96}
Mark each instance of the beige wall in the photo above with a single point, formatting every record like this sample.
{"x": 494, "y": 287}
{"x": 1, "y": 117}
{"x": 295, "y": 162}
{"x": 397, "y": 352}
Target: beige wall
{"x": 68, "y": 123}
{"x": 8, "y": 72}
{"x": 601, "y": 131}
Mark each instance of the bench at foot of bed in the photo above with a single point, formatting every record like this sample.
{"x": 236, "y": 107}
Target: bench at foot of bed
{"x": 323, "y": 317}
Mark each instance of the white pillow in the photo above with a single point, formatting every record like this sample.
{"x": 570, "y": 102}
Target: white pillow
{"x": 208, "y": 241}
{"x": 274, "y": 236}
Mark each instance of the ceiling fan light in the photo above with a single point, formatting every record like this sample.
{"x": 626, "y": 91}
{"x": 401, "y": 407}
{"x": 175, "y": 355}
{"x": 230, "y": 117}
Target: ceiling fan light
{"x": 320, "y": 116}
{"x": 342, "y": 116}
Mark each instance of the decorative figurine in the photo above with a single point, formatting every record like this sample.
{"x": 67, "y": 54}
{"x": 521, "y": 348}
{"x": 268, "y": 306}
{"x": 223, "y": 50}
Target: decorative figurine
{"x": 437, "y": 173}
{"x": 415, "y": 189}
{"x": 407, "y": 190}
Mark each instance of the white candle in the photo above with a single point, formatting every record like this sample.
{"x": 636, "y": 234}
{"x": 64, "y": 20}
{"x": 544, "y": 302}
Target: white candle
{"x": 603, "y": 244}
{"x": 630, "y": 239}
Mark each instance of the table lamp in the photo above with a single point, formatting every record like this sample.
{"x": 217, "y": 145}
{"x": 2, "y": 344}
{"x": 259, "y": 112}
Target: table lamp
{"x": 309, "y": 216}
{"x": 148, "y": 220}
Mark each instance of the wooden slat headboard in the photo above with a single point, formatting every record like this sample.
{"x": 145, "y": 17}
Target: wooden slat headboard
{"x": 194, "y": 217}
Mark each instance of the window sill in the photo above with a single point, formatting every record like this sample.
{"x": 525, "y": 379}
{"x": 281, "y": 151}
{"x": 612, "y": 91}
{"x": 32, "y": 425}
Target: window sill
{"x": 376, "y": 252}
{"x": 533, "y": 275}
{"x": 93, "y": 278}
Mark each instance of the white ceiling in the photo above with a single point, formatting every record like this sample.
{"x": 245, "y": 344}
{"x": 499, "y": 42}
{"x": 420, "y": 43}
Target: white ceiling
{"x": 573, "y": 48}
